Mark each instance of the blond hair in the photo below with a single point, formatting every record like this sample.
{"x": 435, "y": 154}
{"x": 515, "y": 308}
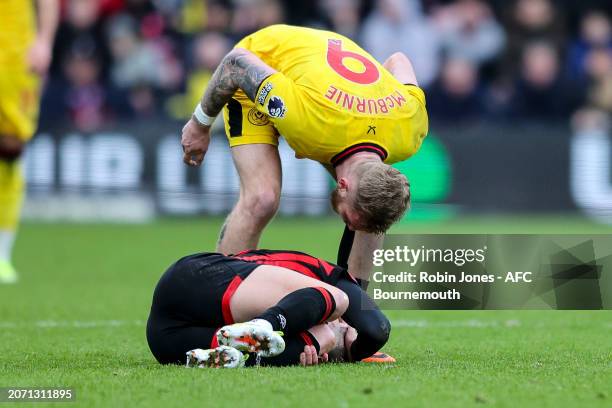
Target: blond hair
{"x": 382, "y": 196}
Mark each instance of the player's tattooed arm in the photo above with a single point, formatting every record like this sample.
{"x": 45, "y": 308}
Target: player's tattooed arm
{"x": 239, "y": 69}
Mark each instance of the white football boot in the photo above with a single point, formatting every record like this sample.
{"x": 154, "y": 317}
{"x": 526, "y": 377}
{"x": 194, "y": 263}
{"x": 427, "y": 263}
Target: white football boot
{"x": 220, "y": 357}
{"x": 256, "y": 336}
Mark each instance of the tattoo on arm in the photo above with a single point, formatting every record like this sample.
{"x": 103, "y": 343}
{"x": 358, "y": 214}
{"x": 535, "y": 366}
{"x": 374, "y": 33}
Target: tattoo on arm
{"x": 240, "y": 69}
{"x": 222, "y": 233}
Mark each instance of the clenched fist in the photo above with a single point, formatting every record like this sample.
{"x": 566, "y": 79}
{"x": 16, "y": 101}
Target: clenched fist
{"x": 195, "y": 141}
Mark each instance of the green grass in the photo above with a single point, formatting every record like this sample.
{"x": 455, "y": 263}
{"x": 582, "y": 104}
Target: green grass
{"x": 77, "y": 319}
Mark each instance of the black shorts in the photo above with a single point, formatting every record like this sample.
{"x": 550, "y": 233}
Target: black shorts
{"x": 190, "y": 303}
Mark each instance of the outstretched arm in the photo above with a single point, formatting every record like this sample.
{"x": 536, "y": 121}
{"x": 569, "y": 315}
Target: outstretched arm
{"x": 239, "y": 69}
{"x": 344, "y": 249}
{"x": 360, "y": 259}
{"x": 401, "y": 68}
{"x": 355, "y": 253}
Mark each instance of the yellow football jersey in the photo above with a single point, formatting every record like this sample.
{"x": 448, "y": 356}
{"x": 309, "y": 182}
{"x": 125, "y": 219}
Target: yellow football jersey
{"x": 19, "y": 88}
{"x": 329, "y": 99}
{"x": 17, "y": 30}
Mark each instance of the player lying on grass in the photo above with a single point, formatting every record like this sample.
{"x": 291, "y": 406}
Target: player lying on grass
{"x": 333, "y": 103}
{"x": 241, "y": 302}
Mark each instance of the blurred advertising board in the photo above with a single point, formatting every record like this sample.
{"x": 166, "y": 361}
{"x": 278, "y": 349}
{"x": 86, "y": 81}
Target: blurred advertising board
{"x": 134, "y": 172}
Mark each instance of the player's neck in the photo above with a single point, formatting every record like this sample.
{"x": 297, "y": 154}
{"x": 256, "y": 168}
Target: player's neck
{"x": 347, "y": 166}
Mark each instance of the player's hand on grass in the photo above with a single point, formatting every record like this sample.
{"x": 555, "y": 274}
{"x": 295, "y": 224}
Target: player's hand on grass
{"x": 195, "y": 141}
{"x": 310, "y": 357}
{"x": 39, "y": 56}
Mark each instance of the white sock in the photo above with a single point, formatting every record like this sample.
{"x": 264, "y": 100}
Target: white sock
{"x": 7, "y": 238}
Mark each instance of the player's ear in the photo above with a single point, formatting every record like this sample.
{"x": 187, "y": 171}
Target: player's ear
{"x": 343, "y": 184}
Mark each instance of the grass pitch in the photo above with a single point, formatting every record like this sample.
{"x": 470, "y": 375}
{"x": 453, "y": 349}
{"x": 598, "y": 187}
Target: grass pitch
{"x": 77, "y": 319}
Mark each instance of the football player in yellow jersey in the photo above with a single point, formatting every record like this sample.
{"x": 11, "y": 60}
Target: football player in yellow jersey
{"x": 333, "y": 103}
{"x": 25, "y": 55}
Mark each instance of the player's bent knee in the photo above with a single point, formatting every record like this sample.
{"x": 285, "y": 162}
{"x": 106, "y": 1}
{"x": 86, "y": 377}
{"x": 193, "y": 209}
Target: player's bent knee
{"x": 377, "y": 332}
{"x": 261, "y": 205}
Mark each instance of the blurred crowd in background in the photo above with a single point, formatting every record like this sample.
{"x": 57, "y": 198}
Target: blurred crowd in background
{"x": 477, "y": 60}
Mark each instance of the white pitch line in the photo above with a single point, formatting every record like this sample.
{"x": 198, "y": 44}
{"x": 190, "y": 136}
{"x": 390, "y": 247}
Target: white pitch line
{"x": 472, "y": 323}
{"x": 87, "y": 324}
{"x": 78, "y": 324}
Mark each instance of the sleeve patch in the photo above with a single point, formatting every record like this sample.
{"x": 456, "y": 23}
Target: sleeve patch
{"x": 276, "y": 107}
{"x": 263, "y": 93}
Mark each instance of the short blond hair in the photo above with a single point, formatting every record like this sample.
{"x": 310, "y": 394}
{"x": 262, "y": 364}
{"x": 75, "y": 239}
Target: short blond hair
{"x": 382, "y": 196}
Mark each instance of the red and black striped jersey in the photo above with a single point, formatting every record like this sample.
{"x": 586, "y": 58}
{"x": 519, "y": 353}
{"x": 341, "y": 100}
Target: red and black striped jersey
{"x": 296, "y": 261}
